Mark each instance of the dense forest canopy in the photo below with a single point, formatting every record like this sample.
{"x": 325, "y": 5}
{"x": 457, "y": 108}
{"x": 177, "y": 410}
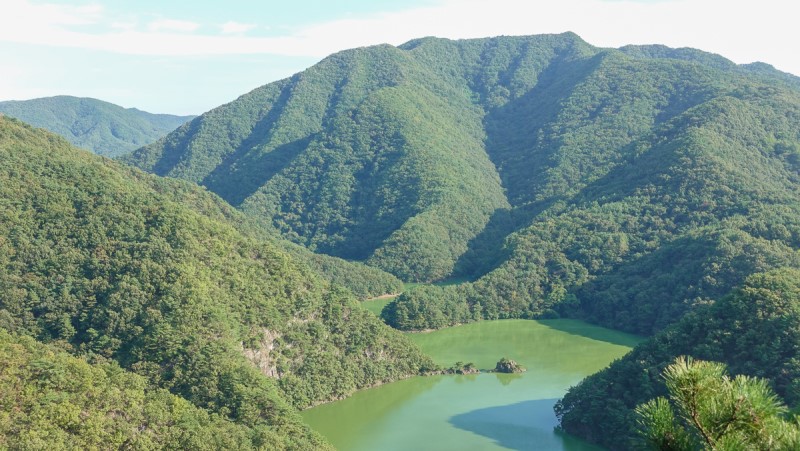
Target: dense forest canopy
{"x": 52, "y": 400}
{"x": 167, "y": 281}
{"x": 648, "y": 189}
{"x": 102, "y": 127}
{"x": 620, "y": 185}
{"x": 754, "y": 330}
{"x": 110, "y": 130}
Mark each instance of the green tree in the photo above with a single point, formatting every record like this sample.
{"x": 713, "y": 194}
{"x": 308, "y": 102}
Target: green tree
{"x": 172, "y": 284}
{"x": 754, "y": 330}
{"x": 708, "y": 409}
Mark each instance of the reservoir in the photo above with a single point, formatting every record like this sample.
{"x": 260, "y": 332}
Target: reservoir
{"x": 486, "y": 411}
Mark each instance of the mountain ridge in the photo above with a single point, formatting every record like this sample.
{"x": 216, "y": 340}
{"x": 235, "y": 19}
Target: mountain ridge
{"x": 102, "y": 127}
{"x": 648, "y": 189}
{"x": 536, "y": 166}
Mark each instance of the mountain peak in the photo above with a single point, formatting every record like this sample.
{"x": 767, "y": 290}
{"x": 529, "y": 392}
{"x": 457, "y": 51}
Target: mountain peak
{"x": 97, "y": 125}
{"x": 450, "y": 158}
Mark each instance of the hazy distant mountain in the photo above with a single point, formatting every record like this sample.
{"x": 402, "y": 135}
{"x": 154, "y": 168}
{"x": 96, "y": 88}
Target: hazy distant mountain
{"x": 102, "y": 127}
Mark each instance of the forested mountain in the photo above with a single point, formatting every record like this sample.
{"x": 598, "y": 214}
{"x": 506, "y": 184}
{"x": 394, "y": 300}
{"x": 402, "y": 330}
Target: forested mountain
{"x": 633, "y": 187}
{"x": 102, "y": 127}
{"x": 621, "y": 185}
{"x": 755, "y": 330}
{"x": 165, "y": 280}
{"x": 51, "y": 400}
{"x": 365, "y": 156}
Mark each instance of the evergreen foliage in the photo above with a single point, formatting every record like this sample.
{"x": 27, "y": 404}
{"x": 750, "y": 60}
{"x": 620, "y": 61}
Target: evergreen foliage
{"x": 709, "y": 410}
{"x": 362, "y": 280}
{"x": 754, "y": 331}
{"x": 102, "y": 127}
{"x": 51, "y": 400}
{"x": 165, "y": 279}
{"x": 632, "y": 187}
{"x": 671, "y": 199}
{"x": 624, "y": 186}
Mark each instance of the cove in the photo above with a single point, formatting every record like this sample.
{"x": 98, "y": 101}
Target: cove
{"x": 477, "y": 412}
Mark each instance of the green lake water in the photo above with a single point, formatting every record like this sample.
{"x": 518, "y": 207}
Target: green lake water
{"x": 376, "y": 305}
{"x": 477, "y": 412}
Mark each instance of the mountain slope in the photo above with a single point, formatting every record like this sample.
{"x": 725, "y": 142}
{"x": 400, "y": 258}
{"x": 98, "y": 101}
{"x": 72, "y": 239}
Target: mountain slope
{"x": 62, "y": 402}
{"x": 755, "y": 330}
{"x": 369, "y": 155}
{"x": 551, "y": 173}
{"x": 102, "y": 127}
{"x": 634, "y": 161}
{"x": 166, "y": 280}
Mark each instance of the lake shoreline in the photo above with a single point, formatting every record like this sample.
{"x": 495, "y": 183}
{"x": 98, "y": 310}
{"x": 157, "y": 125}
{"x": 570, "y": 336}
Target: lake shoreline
{"x": 482, "y": 410}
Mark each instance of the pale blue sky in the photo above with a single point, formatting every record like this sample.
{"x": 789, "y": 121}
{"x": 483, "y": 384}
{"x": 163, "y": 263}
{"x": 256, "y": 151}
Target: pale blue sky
{"x": 185, "y": 57}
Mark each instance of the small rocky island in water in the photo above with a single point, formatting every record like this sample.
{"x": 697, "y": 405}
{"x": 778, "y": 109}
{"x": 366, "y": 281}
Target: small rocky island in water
{"x": 506, "y": 365}
{"x": 462, "y": 368}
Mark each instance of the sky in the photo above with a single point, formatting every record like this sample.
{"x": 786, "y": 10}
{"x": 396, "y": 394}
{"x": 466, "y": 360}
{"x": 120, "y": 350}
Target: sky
{"x": 186, "y": 57}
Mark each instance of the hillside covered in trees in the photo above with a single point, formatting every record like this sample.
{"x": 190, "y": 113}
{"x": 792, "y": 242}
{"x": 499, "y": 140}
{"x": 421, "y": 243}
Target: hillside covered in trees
{"x": 624, "y": 186}
{"x": 647, "y": 189}
{"x": 157, "y": 286}
{"x": 52, "y": 400}
{"x": 754, "y": 330}
{"x": 102, "y": 127}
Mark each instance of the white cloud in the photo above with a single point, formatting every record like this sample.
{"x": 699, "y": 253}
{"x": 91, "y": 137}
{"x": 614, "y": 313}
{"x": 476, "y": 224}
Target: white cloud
{"x": 232, "y": 27}
{"x": 24, "y": 12}
{"x": 126, "y": 26}
{"x": 172, "y": 25}
{"x": 742, "y": 31}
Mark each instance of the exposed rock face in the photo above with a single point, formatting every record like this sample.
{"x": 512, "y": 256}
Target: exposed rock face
{"x": 506, "y": 365}
{"x": 260, "y": 356}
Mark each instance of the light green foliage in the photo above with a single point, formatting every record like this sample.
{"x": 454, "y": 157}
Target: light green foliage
{"x": 754, "y": 330}
{"x": 102, "y": 127}
{"x": 168, "y": 281}
{"x": 386, "y": 163}
{"x": 707, "y": 409}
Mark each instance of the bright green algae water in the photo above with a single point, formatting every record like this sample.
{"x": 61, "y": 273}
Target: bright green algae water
{"x": 376, "y": 305}
{"x": 477, "y": 412}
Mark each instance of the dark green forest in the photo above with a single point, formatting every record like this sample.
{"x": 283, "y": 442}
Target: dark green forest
{"x": 102, "y": 127}
{"x": 754, "y": 330}
{"x": 164, "y": 280}
{"x": 641, "y": 212}
{"x": 214, "y": 282}
{"x": 631, "y": 187}
{"x": 53, "y": 400}
{"x": 621, "y": 186}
